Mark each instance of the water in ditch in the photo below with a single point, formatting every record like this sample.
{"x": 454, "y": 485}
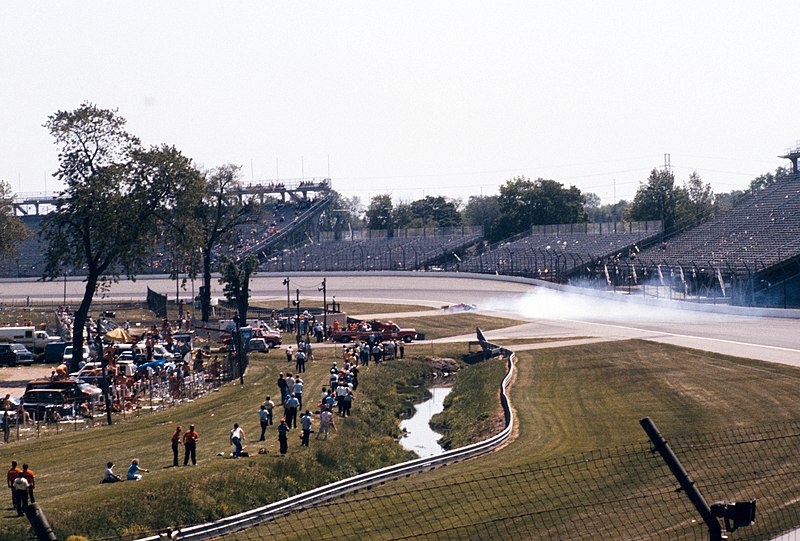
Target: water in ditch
{"x": 419, "y": 437}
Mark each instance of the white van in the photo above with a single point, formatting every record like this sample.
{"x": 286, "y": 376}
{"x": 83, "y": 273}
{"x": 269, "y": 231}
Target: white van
{"x": 35, "y": 340}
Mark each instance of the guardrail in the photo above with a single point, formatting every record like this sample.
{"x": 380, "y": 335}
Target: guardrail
{"x": 322, "y": 494}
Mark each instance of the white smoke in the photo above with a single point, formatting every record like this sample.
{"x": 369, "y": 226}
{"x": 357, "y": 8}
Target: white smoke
{"x": 543, "y": 303}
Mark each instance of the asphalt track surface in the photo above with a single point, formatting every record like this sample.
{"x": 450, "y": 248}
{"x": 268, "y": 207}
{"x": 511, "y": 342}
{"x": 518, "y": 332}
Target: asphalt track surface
{"x": 539, "y": 312}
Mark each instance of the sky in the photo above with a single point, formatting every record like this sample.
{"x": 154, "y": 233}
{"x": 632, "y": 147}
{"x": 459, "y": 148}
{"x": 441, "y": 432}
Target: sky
{"x": 414, "y": 98}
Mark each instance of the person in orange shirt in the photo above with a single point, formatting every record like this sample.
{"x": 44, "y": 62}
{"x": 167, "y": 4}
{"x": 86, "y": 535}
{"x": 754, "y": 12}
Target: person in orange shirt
{"x": 28, "y": 474}
{"x": 190, "y": 438}
{"x": 176, "y": 440}
{"x": 12, "y": 474}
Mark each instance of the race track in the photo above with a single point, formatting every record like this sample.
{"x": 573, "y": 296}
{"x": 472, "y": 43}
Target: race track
{"x": 540, "y": 312}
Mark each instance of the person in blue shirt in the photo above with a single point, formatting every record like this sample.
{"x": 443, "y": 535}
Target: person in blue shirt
{"x": 133, "y": 471}
{"x": 305, "y": 423}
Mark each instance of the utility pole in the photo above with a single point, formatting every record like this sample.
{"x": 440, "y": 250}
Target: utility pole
{"x": 297, "y": 319}
{"x": 104, "y": 364}
{"x": 324, "y": 304}
{"x": 239, "y": 348}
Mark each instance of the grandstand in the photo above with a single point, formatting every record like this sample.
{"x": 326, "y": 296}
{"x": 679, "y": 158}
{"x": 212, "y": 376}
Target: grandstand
{"x": 751, "y": 253}
{"x": 407, "y": 249}
{"x": 556, "y": 252}
{"x": 291, "y": 209}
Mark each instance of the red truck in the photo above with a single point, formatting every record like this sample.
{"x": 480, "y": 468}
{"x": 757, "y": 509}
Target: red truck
{"x": 381, "y": 330}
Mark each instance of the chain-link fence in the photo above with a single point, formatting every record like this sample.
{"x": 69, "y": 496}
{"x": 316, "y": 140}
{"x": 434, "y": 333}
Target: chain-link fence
{"x": 619, "y": 493}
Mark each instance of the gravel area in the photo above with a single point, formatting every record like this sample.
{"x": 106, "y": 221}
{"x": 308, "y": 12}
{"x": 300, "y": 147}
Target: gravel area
{"x": 14, "y": 379}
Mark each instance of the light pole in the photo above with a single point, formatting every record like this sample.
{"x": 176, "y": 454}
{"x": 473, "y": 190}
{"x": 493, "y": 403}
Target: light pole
{"x": 288, "y": 300}
{"x": 324, "y": 289}
{"x": 297, "y": 319}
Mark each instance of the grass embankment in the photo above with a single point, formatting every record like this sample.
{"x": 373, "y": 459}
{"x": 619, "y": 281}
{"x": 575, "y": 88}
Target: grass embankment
{"x": 472, "y": 410}
{"x": 70, "y": 466}
{"x": 568, "y": 401}
{"x": 442, "y": 325}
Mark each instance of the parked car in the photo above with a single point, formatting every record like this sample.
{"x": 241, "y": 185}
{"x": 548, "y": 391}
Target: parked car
{"x": 38, "y": 401}
{"x": 8, "y": 357}
{"x": 63, "y": 396}
{"x": 54, "y": 352}
{"x": 258, "y": 345}
{"x": 67, "y": 357}
{"x": 23, "y": 355}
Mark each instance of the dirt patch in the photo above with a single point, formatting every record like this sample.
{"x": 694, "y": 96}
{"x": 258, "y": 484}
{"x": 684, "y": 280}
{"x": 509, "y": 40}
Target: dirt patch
{"x": 14, "y": 379}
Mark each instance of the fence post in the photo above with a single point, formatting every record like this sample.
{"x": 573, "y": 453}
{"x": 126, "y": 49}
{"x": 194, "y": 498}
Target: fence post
{"x": 686, "y": 482}
{"x": 39, "y": 523}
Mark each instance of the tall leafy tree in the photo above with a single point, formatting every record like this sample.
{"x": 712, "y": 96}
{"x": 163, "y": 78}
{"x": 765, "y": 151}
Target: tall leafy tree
{"x": 12, "y": 230}
{"x": 482, "y": 210}
{"x": 700, "y": 199}
{"x": 216, "y": 217}
{"x": 379, "y": 213}
{"x": 437, "y": 211}
{"x": 235, "y": 276}
{"x": 106, "y": 219}
{"x": 524, "y": 202}
{"x": 660, "y": 199}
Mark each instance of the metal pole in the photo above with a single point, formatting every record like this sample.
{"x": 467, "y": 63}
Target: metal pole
{"x": 297, "y": 319}
{"x": 239, "y": 348}
{"x": 686, "y": 482}
{"x": 288, "y": 297}
{"x": 325, "y": 305}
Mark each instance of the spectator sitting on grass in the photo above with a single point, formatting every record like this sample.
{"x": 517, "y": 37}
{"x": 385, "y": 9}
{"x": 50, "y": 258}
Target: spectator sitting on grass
{"x": 110, "y": 476}
{"x": 133, "y": 474}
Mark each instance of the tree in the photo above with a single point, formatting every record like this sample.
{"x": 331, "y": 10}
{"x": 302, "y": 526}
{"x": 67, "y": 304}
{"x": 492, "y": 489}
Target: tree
{"x": 768, "y": 179}
{"x": 700, "y": 199}
{"x": 379, "y": 213}
{"x": 599, "y": 213}
{"x": 216, "y": 215}
{"x": 106, "y": 219}
{"x": 659, "y": 199}
{"x": 343, "y": 214}
{"x": 482, "y": 210}
{"x": 12, "y": 230}
{"x": 436, "y": 211}
{"x": 524, "y": 203}
{"x": 235, "y": 275}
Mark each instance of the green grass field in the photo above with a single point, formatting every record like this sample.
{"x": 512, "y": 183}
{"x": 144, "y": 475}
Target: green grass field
{"x": 570, "y": 401}
{"x": 69, "y": 466}
{"x": 567, "y": 401}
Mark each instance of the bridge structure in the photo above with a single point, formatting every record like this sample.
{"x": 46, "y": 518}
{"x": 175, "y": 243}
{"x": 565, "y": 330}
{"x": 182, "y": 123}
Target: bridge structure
{"x": 297, "y": 190}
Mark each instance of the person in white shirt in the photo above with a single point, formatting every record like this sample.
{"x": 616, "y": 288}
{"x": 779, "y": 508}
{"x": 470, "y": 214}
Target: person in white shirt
{"x": 237, "y": 439}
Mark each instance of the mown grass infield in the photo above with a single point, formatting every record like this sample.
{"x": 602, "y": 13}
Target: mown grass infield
{"x": 567, "y": 400}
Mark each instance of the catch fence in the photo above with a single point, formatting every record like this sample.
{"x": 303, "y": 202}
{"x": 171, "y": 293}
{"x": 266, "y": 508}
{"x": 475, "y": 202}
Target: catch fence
{"x": 144, "y": 397}
{"x": 619, "y": 493}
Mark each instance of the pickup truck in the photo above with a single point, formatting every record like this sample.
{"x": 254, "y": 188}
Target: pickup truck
{"x": 10, "y": 357}
{"x": 380, "y": 330}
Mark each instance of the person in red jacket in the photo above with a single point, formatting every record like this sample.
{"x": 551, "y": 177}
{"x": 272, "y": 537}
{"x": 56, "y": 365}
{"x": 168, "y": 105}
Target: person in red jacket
{"x": 12, "y": 474}
{"x": 28, "y": 474}
{"x": 190, "y": 438}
